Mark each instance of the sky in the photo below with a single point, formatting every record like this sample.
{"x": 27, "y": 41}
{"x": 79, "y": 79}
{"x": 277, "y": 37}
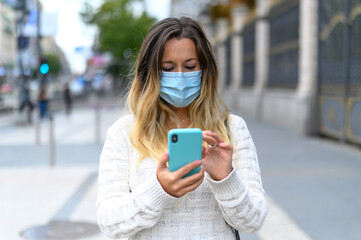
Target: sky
{"x": 73, "y": 33}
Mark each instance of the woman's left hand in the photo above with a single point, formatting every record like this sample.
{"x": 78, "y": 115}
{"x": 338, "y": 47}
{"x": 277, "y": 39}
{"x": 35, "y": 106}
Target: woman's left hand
{"x": 216, "y": 156}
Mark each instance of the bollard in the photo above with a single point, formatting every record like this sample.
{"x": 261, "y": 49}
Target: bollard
{"x": 97, "y": 123}
{"x": 51, "y": 141}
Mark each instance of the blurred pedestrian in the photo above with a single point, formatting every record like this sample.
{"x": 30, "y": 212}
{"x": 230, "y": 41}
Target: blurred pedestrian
{"x": 67, "y": 98}
{"x": 43, "y": 103}
{"x": 175, "y": 86}
{"x": 26, "y": 102}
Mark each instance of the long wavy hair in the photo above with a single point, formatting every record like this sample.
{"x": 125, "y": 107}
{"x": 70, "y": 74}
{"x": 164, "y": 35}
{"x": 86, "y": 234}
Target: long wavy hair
{"x": 151, "y": 113}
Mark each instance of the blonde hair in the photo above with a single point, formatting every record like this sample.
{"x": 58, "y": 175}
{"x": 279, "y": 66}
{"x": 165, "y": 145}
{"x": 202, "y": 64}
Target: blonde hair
{"x": 151, "y": 113}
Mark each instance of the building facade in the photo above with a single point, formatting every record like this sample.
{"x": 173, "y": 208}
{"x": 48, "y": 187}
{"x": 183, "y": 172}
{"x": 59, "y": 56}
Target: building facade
{"x": 8, "y": 40}
{"x": 268, "y": 62}
{"x": 187, "y": 8}
{"x": 18, "y": 47}
{"x": 293, "y": 63}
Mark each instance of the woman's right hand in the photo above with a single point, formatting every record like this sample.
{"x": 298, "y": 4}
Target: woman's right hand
{"x": 173, "y": 183}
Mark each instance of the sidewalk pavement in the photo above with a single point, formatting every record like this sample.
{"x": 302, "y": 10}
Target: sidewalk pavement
{"x": 34, "y": 194}
{"x": 7, "y": 102}
{"x": 315, "y": 183}
{"x": 312, "y": 184}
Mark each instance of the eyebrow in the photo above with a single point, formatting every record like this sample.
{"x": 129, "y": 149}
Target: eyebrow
{"x": 185, "y": 61}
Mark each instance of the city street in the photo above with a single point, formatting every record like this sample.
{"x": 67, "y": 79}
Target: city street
{"x": 291, "y": 69}
{"x": 312, "y": 184}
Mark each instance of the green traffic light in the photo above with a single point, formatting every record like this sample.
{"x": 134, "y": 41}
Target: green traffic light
{"x": 44, "y": 68}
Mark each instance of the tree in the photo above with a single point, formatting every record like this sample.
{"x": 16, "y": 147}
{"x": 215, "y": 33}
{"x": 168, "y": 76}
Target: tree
{"x": 121, "y": 32}
{"x": 54, "y": 63}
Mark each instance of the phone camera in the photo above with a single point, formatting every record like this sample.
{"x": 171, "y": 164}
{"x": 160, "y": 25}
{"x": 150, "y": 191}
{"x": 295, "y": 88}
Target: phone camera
{"x": 174, "y": 138}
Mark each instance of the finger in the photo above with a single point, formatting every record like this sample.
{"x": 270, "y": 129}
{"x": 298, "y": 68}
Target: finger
{"x": 180, "y": 184}
{"x": 217, "y": 137}
{"x": 192, "y": 187}
{"x": 193, "y": 178}
{"x": 207, "y": 133}
{"x": 212, "y": 135}
{"x": 187, "y": 168}
{"x": 226, "y": 146}
{"x": 203, "y": 152}
{"x": 209, "y": 140}
{"x": 163, "y": 161}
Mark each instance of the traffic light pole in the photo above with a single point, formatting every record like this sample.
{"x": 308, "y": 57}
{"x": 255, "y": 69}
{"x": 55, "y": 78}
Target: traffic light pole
{"x": 38, "y": 38}
{"x": 39, "y": 53}
{"x": 20, "y": 27}
{"x": 42, "y": 86}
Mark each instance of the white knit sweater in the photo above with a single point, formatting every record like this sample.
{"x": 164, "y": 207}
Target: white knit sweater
{"x": 133, "y": 205}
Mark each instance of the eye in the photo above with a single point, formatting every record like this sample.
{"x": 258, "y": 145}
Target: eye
{"x": 167, "y": 69}
{"x": 190, "y": 67}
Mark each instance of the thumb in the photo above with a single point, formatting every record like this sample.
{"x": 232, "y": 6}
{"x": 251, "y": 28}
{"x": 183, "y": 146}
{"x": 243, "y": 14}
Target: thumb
{"x": 163, "y": 161}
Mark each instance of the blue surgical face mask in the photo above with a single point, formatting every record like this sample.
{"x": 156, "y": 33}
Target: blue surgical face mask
{"x": 180, "y": 89}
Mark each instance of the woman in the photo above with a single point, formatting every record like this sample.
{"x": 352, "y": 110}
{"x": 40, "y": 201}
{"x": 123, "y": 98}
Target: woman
{"x": 175, "y": 86}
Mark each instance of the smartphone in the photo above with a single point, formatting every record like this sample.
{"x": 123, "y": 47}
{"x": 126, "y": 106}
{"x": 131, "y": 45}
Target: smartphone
{"x": 184, "y": 146}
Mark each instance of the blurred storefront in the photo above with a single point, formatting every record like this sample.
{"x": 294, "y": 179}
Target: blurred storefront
{"x": 293, "y": 63}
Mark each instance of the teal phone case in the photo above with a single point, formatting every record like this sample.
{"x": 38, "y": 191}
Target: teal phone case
{"x": 188, "y": 148}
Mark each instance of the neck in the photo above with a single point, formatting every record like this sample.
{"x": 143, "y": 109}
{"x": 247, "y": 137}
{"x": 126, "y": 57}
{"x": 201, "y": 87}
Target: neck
{"x": 182, "y": 113}
{"x": 183, "y": 116}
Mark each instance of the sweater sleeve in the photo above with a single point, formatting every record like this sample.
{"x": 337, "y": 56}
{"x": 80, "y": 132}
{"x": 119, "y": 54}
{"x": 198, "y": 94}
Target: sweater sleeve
{"x": 240, "y": 195}
{"x": 122, "y": 213}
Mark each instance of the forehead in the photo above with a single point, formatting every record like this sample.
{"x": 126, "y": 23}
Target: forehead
{"x": 179, "y": 49}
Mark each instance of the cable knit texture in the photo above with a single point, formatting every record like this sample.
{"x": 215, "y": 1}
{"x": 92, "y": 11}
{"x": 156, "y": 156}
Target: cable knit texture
{"x": 132, "y": 204}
